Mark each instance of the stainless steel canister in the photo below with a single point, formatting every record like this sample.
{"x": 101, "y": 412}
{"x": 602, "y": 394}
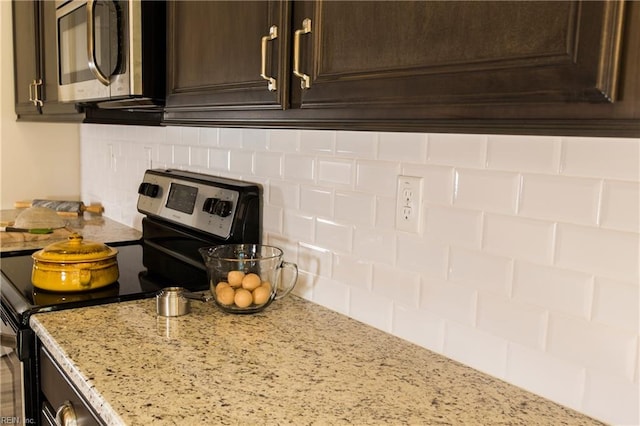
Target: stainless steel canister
{"x": 172, "y": 302}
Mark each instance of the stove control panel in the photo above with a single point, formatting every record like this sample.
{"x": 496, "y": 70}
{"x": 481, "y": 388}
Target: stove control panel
{"x": 209, "y": 204}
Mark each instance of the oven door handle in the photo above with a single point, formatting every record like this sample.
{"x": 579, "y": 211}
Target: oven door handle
{"x": 8, "y": 341}
{"x": 91, "y": 50}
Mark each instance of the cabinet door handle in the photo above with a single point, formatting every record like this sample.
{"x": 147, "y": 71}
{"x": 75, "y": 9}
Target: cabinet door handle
{"x": 273, "y": 34}
{"x": 91, "y": 51}
{"x": 66, "y": 415}
{"x": 33, "y": 93}
{"x": 305, "y": 80}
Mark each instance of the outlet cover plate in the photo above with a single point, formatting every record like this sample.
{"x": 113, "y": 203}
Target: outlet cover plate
{"x": 409, "y": 204}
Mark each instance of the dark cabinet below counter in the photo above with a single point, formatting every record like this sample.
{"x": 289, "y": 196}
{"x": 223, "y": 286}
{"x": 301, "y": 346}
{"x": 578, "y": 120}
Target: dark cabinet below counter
{"x": 562, "y": 68}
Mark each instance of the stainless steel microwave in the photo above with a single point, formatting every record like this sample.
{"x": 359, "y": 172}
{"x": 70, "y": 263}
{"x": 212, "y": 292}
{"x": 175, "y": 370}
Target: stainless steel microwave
{"x": 111, "y": 53}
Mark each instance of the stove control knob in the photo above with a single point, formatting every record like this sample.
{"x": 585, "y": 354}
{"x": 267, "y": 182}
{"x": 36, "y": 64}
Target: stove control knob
{"x": 148, "y": 189}
{"x": 210, "y": 205}
{"x": 217, "y": 207}
{"x": 222, "y": 208}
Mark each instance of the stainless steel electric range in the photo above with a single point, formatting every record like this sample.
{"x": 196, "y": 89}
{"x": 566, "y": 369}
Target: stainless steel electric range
{"x": 183, "y": 211}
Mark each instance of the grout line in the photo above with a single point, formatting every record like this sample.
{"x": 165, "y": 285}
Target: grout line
{"x": 599, "y": 205}
{"x": 554, "y": 243}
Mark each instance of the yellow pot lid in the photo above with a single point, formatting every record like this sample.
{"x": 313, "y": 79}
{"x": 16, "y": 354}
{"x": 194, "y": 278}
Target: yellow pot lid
{"x": 75, "y": 249}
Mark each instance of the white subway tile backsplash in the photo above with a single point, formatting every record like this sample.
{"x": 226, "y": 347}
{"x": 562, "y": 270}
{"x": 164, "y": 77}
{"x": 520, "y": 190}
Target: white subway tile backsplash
{"x": 601, "y": 157}
{"x": 284, "y": 140}
{"x": 230, "y": 138}
{"x": 419, "y": 327}
{"x": 199, "y": 157}
{"x": 316, "y": 201}
{"x": 241, "y": 161}
{"x": 332, "y": 294}
{"x": 457, "y": 150}
{"x": 558, "y": 290}
{"x": 454, "y": 226}
{"x": 268, "y": 164}
{"x": 272, "y": 218}
{"x": 298, "y": 167}
{"x": 338, "y": 172}
{"x": 482, "y": 271}
{"x": 396, "y": 284}
{"x": 516, "y": 322}
{"x": 356, "y": 144}
{"x": 333, "y": 235}
{"x": 409, "y": 147}
{"x": 219, "y": 159}
{"x": 255, "y": 139}
{"x": 543, "y": 374}
{"x": 289, "y": 247}
{"x": 174, "y": 134}
{"x": 370, "y": 308}
{"x": 521, "y": 238}
{"x": 188, "y": 136}
{"x": 305, "y": 285}
{"x": 208, "y": 136}
{"x": 437, "y": 182}
{"x": 489, "y": 265}
{"x": 284, "y": 194}
{"x": 430, "y": 258}
{"x": 616, "y": 304}
{"x": 298, "y": 226}
{"x": 352, "y": 270}
{"x": 450, "y": 301}
{"x": 354, "y": 207}
{"x": 376, "y": 177}
{"x": 181, "y": 155}
{"x": 621, "y": 206}
{"x": 608, "y": 253}
{"x": 486, "y": 190}
{"x": 314, "y": 260}
{"x": 609, "y": 397}
{"x": 524, "y": 153}
{"x": 165, "y": 154}
{"x": 374, "y": 244}
{"x": 593, "y": 345}
{"x": 385, "y": 212}
{"x": 573, "y": 200}
{"x": 148, "y": 134}
{"x": 318, "y": 141}
{"x": 476, "y": 348}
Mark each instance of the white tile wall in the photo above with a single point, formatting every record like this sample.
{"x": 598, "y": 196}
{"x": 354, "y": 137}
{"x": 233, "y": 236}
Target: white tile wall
{"x": 527, "y": 266}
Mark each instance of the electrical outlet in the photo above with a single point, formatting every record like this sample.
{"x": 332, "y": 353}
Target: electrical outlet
{"x": 409, "y": 204}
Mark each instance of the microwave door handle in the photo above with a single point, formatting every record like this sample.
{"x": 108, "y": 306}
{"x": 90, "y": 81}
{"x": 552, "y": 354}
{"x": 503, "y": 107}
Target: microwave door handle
{"x": 91, "y": 51}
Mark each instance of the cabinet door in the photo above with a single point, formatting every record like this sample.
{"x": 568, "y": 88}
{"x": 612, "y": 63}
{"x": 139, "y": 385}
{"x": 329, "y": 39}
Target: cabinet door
{"x": 427, "y": 53}
{"x": 26, "y": 57}
{"x": 35, "y": 63}
{"x": 215, "y": 54}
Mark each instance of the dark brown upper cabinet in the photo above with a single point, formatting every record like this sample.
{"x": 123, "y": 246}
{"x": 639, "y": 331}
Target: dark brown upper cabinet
{"x": 228, "y": 55}
{"x": 35, "y": 64}
{"x": 556, "y": 67}
{"x": 460, "y": 53}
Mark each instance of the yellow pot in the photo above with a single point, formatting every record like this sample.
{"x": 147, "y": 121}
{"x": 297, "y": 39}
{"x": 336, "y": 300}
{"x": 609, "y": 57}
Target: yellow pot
{"x": 74, "y": 265}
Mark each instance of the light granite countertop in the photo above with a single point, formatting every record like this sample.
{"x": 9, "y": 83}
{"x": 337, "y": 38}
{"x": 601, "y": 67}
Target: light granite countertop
{"x": 91, "y": 227}
{"x": 294, "y": 363}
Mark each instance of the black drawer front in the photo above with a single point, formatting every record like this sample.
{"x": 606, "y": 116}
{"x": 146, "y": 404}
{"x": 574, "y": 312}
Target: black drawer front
{"x": 57, "y": 391}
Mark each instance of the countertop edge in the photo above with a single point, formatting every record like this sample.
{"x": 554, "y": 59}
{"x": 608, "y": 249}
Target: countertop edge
{"x": 83, "y": 384}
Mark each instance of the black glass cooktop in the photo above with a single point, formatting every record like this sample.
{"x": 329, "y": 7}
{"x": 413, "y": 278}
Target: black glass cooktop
{"x": 23, "y": 299}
